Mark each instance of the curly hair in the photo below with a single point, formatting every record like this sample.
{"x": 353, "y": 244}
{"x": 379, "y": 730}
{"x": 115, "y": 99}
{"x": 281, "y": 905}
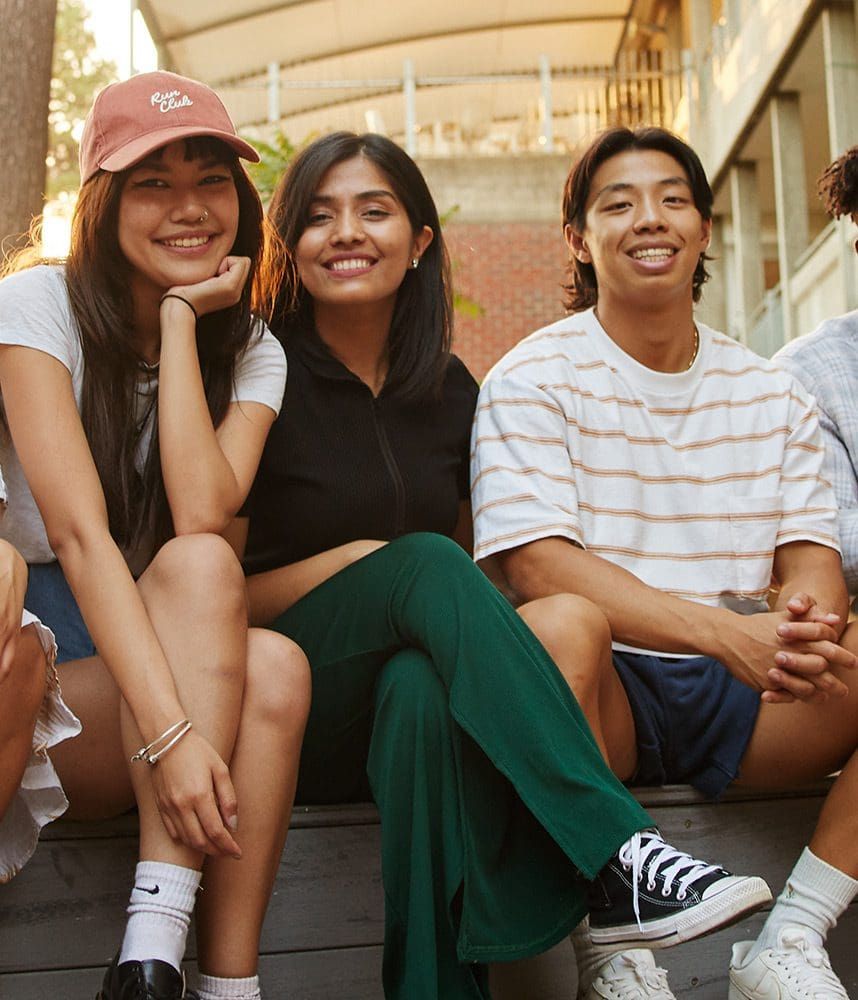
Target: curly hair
{"x": 838, "y": 185}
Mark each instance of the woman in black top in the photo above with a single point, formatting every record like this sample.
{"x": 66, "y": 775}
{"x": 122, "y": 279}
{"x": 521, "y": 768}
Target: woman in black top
{"x": 429, "y": 691}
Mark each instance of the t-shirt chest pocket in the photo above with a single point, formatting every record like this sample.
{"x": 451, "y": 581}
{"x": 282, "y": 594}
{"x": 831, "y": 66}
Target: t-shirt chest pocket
{"x": 754, "y": 522}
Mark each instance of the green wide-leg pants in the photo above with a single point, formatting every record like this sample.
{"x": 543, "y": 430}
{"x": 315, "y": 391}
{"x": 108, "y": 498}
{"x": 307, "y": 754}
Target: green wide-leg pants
{"x": 430, "y": 693}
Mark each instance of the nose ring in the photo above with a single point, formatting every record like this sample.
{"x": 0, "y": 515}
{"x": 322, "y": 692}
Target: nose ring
{"x": 204, "y": 216}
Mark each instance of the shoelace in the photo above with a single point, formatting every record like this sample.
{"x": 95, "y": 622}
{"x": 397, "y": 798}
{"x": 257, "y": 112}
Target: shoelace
{"x": 808, "y": 966}
{"x": 647, "y": 978}
{"x": 646, "y": 850}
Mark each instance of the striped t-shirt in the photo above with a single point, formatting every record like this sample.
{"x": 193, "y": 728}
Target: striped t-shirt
{"x": 688, "y": 480}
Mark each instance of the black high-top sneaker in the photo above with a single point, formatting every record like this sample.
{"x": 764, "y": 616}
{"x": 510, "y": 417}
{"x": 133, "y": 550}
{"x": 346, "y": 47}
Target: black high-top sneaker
{"x": 150, "y": 980}
{"x": 651, "y": 894}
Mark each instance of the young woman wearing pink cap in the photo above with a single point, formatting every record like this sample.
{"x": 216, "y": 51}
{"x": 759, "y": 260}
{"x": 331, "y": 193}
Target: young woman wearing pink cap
{"x": 138, "y": 389}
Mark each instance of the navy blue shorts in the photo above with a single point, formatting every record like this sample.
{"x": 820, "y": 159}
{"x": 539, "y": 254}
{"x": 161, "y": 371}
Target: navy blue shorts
{"x": 49, "y": 596}
{"x": 693, "y": 719}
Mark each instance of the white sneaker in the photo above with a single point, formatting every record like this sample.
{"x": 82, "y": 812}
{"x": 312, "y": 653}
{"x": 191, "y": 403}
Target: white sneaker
{"x": 630, "y": 975}
{"x": 795, "y": 970}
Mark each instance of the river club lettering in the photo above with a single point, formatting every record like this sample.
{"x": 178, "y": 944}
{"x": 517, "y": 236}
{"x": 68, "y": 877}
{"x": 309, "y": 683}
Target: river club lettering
{"x": 170, "y": 101}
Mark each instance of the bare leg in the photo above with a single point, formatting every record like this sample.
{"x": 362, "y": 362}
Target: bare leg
{"x": 21, "y": 694}
{"x": 577, "y": 636}
{"x": 92, "y": 767}
{"x": 264, "y": 769}
{"x": 194, "y": 593}
{"x": 797, "y": 743}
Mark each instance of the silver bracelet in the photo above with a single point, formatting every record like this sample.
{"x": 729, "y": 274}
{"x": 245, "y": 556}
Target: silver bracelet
{"x": 177, "y": 731}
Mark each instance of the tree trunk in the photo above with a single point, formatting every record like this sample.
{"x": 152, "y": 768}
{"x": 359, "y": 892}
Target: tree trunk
{"x": 26, "y": 56}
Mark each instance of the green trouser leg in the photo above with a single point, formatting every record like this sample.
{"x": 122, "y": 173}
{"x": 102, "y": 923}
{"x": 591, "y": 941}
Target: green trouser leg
{"x": 537, "y": 804}
{"x": 412, "y": 771}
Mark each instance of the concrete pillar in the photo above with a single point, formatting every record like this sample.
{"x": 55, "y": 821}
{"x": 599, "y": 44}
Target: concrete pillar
{"x": 748, "y": 277}
{"x": 840, "y": 52}
{"x": 409, "y": 89}
{"x": 274, "y": 112}
{"x": 546, "y": 106}
{"x": 790, "y": 195}
{"x": 713, "y": 305}
{"x": 697, "y": 21}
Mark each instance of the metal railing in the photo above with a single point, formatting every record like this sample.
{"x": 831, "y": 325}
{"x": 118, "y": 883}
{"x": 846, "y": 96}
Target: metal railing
{"x": 546, "y": 108}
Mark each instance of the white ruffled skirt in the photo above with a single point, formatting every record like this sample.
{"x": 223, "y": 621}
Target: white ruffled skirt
{"x": 40, "y": 797}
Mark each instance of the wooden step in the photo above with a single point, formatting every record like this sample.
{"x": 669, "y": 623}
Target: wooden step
{"x": 61, "y": 918}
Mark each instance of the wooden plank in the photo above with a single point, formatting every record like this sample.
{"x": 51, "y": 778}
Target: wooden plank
{"x": 351, "y": 973}
{"x": 67, "y": 906}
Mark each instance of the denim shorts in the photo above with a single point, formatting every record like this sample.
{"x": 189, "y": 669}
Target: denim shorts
{"x": 693, "y": 720}
{"x": 50, "y": 598}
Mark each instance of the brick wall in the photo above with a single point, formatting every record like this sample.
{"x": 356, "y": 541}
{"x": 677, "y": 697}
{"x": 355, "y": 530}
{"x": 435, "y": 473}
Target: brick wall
{"x": 513, "y": 271}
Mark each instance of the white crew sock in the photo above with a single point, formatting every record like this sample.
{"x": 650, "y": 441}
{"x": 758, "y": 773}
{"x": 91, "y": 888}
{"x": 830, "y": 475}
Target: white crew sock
{"x": 215, "y": 988}
{"x": 815, "y": 895}
{"x": 159, "y": 913}
{"x": 589, "y": 957}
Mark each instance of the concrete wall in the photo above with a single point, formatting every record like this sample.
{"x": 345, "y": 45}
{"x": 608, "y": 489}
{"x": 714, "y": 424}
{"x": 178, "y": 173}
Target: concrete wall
{"x": 522, "y": 188}
{"x": 735, "y": 84}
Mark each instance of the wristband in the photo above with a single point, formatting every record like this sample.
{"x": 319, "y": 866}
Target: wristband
{"x": 181, "y": 298}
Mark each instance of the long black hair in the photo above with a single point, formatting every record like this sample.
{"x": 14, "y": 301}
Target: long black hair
{"x": 421, "y": 329}
{"x": 97, "y": 277}
{"x": 580, "y": 284}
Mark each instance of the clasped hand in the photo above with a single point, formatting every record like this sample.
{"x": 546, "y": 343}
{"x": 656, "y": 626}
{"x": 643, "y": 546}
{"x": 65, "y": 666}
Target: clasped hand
{"x": 794, "y": 652}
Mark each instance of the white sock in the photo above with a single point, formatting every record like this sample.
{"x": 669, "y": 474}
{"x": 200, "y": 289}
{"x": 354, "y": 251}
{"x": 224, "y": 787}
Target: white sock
{"x": 589, "y": 957}
{"x": 215, "y": 988}
{"x": 159, "y": 913}
{"x": 815, "y": 895}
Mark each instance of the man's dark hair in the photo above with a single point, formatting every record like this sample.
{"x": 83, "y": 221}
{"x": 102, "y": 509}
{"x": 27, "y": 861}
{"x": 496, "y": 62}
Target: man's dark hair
{"x": 580, "y": 283}
{"x": 838, "y": 185}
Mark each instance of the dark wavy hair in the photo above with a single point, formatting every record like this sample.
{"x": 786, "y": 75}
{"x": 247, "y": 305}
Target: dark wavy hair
{"x": 98, "y": 281}
{"x": 421, "y": 329}
{"x": 838, "y": 185}
{"x": 580, "y": 286}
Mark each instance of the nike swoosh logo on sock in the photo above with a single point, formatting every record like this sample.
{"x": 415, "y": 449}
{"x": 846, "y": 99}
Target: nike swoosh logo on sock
{"x": 152, "y": 892}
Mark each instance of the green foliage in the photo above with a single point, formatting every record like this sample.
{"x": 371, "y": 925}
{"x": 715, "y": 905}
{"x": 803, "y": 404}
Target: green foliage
{"x": 77, "y": 76}
{"x": 275, "y": 157}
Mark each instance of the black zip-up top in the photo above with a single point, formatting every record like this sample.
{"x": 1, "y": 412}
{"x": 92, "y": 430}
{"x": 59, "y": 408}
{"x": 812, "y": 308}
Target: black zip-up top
{"x": 340, "y": 464}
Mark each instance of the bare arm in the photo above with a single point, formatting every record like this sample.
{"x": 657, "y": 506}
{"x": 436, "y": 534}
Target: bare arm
{"x": 55, "y": 456}
{"x": 269, "y": 594}
{"x": 207, "y": 472}
{"x": 647, "y": 618}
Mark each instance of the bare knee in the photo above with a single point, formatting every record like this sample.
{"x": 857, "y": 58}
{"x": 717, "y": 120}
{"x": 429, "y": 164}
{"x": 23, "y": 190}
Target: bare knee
{"x": 197, "y": 567}
{"x": 564, "y": 621}
{"x": 577, "y": 636}
{"x": 278, "y": 686}
{"x": 22, "y": 689}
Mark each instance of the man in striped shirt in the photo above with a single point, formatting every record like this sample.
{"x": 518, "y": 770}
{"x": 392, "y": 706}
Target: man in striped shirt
{"x": 635, "y": 458}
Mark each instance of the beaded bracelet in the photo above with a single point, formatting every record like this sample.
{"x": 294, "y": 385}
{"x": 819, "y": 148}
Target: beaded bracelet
{"x": 176, "y": 731}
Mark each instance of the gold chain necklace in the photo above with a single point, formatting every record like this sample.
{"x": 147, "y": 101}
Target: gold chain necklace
{"x": 696, "y": 350}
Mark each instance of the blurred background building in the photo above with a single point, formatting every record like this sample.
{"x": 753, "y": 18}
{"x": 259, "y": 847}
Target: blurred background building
{"x": 493, "y": 96}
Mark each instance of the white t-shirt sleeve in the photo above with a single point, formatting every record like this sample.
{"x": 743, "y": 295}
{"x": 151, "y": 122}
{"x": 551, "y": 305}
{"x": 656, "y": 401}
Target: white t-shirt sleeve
{"x": 809, "y": 506}
{"x": 35, "y": 312}
{"x": 260, "y": 375}
{"x": 522, "y": 480}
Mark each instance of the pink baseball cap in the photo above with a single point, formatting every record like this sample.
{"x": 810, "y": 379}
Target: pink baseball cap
{"x": 133, "y": 118}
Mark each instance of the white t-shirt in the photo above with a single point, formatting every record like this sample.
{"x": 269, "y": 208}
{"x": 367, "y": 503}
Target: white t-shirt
{"x": 688, "y": 480}
{"x": 35, "y": 312}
